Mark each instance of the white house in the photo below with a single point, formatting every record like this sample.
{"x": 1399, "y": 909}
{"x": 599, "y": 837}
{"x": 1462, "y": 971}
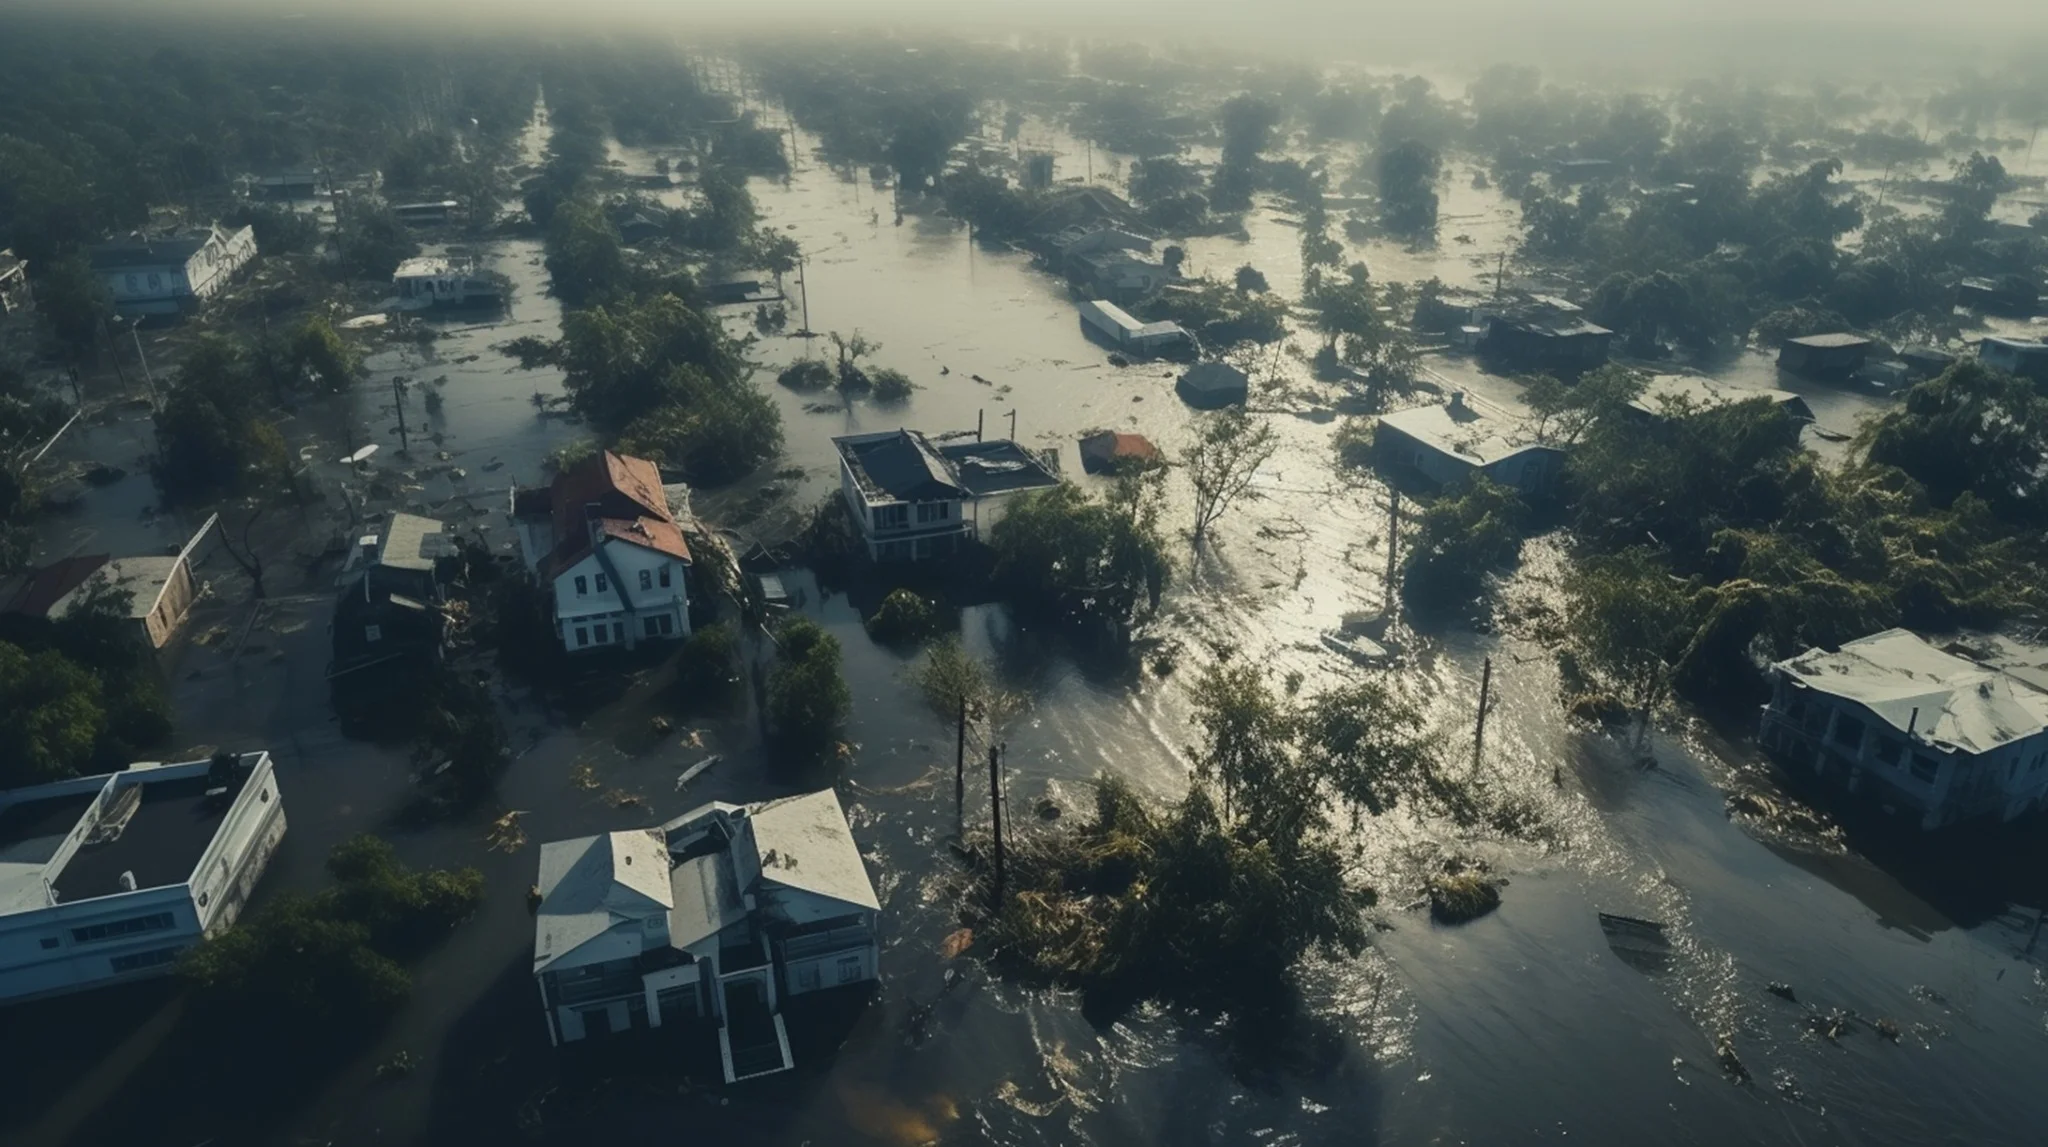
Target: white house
{"x": 721, "y": 916}
{"x": 1447, "y": 442}
{"x": 108, "y": 878}
{"x": 605, "y": 535}
{"x": 1104, "y": 320}
{"x": 440, "y": 281}
{"x": 1943, "y": 734}
{"x": 172, "y": 275}
{"x": 915, "y": 500}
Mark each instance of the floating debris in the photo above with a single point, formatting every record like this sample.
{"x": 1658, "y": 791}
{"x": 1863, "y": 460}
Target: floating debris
{"x": 583, "y": 775}
{"x": 1457, "y": 897}
{"x": 1782, "y": 991}
{"x": 505, "y": 833}
{"x": 1887, "y": 1028}
{"x": 1731, "y": 1064}
{"x": 1641, "y": 944}
{"x": 691, "y": 773}
{"x": 956, "y": 942}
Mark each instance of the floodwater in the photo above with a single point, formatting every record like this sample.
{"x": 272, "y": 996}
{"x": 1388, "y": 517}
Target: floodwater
{"x": 1522, "y": 1026}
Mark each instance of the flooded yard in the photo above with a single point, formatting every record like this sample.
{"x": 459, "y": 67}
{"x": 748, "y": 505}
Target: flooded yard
{"x": 1523, "y": 1026}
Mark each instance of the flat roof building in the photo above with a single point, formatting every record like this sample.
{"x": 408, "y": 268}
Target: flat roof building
{"x": 1829, "y": 357}
{"x": 109, "y": 878}
{"x": 914, "y": 499}
{"x": 1940, "y": 734}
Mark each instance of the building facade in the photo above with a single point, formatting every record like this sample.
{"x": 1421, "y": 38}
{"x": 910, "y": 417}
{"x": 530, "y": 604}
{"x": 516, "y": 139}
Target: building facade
{"x": 172, "y": 275}
{"x": 109, "y": 878}
{"x": 914, "y": 500}
{"x": 720, "y": 917}
{"x": 1937, "y": 735}
{"x": 606, "y": 538}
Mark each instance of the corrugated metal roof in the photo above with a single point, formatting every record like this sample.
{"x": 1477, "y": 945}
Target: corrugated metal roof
{"x": 1906, "y": 682}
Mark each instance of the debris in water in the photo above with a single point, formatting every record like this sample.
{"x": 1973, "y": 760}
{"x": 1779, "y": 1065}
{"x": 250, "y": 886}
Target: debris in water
{"x": 1731, "y": 1064}
{"x": 1782, "y": 991}
{"x": 1457, "y": 897}
{"x": 1887, "y": 1028}
{"x": 583, "y": 775}
{"x": 955, "y": 943}
{"x": 1641, "y": 944}
{"x": 1787, "y": 1086}
{"x": 620, "y": 798}
{"x": 691, "y": 773}
{"x": 505, "y": 834}
{"x": 661, "y": 726}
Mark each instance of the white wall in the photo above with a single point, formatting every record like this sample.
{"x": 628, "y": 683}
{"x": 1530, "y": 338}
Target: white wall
{"x": 594, "y": 607}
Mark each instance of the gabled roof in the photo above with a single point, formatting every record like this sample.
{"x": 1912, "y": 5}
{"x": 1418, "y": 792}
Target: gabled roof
{"x": 1908, "y": 683}
{"x": 1109, "y": 447}
{"x": 707, "y": 899}
{"x": 589, "y": 885}
{"x": 176, "y": 251}
{"x": 804, "y": 843}
{"x": 1707, "y": 393}
{"x": 623, "y": 495}
{"x": 37, "y": 591}
{"x": 1475, "y": 434}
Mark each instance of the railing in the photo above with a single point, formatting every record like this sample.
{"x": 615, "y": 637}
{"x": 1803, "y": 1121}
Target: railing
{"x": 833, "y": 940}
{"x": 611, "y": 986}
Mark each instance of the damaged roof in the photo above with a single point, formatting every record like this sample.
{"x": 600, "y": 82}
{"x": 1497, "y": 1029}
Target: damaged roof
{"x": 1955, "y": 701}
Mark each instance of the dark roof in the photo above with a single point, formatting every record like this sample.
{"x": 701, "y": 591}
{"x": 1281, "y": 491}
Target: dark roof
{"x": 34, "y": 592}
{"x": 161, "y": 844}
{"x": 901, "y": 465}
{"x": 998, "y": 466}
{"x": 174, "y": 252}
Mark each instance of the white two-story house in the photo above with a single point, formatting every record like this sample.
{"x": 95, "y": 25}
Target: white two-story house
{"x": 915, "y": 500}
{"x": 720, "y": 917}
{"x": 172, "y": 275}
{"x": 108, "y": 878}
{"x": 605, "y": 537}
{"x": 1940, "y": 735}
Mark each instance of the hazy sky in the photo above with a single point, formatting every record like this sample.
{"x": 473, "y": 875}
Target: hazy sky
{"x": 1614, "y": 31}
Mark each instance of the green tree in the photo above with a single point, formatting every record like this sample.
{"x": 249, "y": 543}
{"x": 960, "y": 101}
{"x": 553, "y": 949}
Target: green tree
{"x": 1471, "y": 530}
{"x": 1230, "y": 447}
{"x": 1970, "y": 430}
{"x": 1627, "y": 623}
{"x": 1060, "y": 551}
{"x": 585, "y": 261}
{"x": 75, "y": 303}
{"x": 1408, "y": 172}
{"x": 51, "y": 716}
{"x": 807, "y": 700}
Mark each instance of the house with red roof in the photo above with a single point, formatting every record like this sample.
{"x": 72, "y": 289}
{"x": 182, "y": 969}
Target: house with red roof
{"x": 606, "y": 536}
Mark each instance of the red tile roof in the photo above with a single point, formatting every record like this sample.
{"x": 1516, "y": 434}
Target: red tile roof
{"x": 624, "y": 495}
{"x": 34, "y": 592}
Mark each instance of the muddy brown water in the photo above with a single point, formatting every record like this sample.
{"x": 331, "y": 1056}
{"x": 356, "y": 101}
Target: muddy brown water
{"x": 1520, "y": 1027}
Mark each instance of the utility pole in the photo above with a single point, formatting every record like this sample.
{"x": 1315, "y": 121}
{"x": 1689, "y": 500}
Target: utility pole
{"x": 136, "y": 330}
{"x": 1485, "y": 695}
{"x": 1013, "y": 424}
{"x": 995, "y": 802}
{"x": 398, "y": 404}
{"x": 960, "y": 769}
{"x": 1393, "y": 542}
{"x": 803, "y": 291}
{"x": 1500, "y": 274}
{"x": 979, "y": 416}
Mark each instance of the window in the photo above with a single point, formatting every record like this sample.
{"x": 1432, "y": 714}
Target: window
{"x": 934, "y": 511}
{"x": 601, "y": 583}
{"x": 646, "y": 579}
{"x": 849, "y": 969}
{"x": 156, "y": 281}
{"x": 618, "y": 631}
{"x": 582, "y": 637}
{"x": 1848, "y": 731}
{"x": 373, "y": 633}
{"x": 50, "y": 942}
{"x": 1924, "y": 769}
{"x": 597, "y": 633}
{"x": 154, "y": 958}
{"x": 807, "y": 978}
{"x": 1889, "y": 751}
{"x": 582, "y": 586}
{"x": 892, "y": 517}
{"x": 648, "y": 627}
{"x": 664, "y": 575}
{"x": 134, "y": 284}
{"x": 668, "y": 624}
{"x": 91, "y": 933}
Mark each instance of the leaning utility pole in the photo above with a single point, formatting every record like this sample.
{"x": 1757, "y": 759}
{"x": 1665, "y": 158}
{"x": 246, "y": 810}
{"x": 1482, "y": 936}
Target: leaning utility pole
{"x": 960, "y": 769}
{"x": 1393, "y": 542}
{"x": 995, "y": 803}
{"x": 398, "y": 404}
{"x": 1485, "y": 695}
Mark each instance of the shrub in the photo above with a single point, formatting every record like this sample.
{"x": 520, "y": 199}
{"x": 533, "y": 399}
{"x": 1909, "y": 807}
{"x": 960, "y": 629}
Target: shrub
{"x": 806, "y": 375}
{"x": 890, "y": 385}
{"x": 708, "y": 669}
{"x": 807, "y": 698}
{"x": 904, "y": 618}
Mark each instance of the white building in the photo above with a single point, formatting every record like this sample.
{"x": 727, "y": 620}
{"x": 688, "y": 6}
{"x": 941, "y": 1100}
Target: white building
{"x": 915, "y": 500}
{"x": 440, "y": 281}
{"x": 107, "y": 879}
{"x": 1939, "y": 734}
{"x": 606, "y": 536}
{"x": 1448, "y": 442}
{"x": 172, "y": 275}
{"x": 1104, "y": 320}
{"x": 721, "y": 916}
{"x": 2027, "y": 358}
